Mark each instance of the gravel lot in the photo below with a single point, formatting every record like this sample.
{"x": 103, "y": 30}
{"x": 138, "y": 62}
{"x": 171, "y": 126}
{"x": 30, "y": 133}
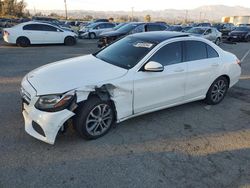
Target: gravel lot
{"x": 191, "y": 145}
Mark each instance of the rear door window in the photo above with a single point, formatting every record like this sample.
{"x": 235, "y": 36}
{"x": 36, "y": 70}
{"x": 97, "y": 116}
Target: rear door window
{"x": 109, "y": 25}
{"x": 48, "y": 28}
{"x": 195, "y": 50}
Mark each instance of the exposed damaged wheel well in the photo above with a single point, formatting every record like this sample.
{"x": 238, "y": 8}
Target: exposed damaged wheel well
{"x": 104, "y": 93}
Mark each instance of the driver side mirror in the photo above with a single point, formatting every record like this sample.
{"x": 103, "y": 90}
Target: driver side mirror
{"x": 153, "y": 66}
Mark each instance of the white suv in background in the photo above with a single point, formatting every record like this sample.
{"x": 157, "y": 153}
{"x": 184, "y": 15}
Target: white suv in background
{"x": 38, "y": 33}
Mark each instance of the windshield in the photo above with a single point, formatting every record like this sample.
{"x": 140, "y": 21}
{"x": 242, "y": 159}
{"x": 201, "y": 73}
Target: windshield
{"x": 197, "y": 30}
{"x": 92, "y": 25}
{"x": 242, "y": 29}
{"x": 127, "y": 28}
{"x": 125, "y": 53}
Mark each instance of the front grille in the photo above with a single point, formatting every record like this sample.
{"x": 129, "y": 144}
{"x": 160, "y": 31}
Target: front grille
{"x": 25, "y": 96}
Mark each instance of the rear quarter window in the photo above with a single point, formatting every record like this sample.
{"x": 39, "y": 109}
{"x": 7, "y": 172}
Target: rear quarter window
{"x": 211, "y": 53}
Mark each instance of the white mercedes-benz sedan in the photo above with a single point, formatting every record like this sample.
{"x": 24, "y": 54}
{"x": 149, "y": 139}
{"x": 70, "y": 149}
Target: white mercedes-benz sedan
{"x": 32, "y": 32}
{"x": 138, "y": 74}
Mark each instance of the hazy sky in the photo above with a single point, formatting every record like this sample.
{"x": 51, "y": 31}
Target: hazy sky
{"x": 127, "y": 4}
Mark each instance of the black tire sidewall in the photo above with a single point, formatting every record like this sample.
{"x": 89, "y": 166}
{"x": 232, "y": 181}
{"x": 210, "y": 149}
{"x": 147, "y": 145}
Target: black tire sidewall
{"x": 92, "y": 34}
{"x": 82, "y": 113}
{"x": 23, "y": 42}
{"x": 208, "y": 99}
{"x": 69, "y": 41}
{"x": 217, "y": 41}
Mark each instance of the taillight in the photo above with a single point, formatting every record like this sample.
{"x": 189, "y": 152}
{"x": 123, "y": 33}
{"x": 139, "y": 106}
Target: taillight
{"x": 6, "y": 33}
{"x": 238, "y": 62}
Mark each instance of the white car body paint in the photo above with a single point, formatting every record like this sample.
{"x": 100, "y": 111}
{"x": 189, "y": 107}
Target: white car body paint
{"x": 36, "y": 37}
{"x": 133, "y": 92}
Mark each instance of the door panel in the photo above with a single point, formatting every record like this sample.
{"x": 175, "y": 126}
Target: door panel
{"x": 202, "y": 68}
{"x": 52, "y": 34}
{"x": 158, "y": 89}
{"x": 35, "y": 37}
{"x": 200, "y": 74}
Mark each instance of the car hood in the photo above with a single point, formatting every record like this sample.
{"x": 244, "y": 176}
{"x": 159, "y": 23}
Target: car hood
{"x": 196, "y": 35}
{"x": 66, "y": 75}
{"x": 111, "y": 34}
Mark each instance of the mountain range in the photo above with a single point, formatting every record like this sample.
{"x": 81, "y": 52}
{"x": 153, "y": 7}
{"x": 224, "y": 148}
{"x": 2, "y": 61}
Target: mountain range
{"x": 203, "y": 13}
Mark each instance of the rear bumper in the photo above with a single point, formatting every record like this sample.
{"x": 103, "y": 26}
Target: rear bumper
{"x": 236, "y": 38}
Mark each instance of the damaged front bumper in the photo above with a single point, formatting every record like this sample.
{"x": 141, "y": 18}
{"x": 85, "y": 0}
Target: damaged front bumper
{"x": 40, "y": 124}
{"x": 44, "y": 125}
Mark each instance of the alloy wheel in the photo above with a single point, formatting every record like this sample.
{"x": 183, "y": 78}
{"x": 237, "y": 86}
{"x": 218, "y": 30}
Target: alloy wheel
{"x": 99, "y": 119}
{"x": 218, "y": 91}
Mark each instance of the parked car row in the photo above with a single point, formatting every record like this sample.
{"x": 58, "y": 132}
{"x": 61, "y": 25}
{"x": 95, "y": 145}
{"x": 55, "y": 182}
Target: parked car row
{"x": 209, "y": 33}
{"x": 129, "y": 28}
{"x": 108, "y": 32}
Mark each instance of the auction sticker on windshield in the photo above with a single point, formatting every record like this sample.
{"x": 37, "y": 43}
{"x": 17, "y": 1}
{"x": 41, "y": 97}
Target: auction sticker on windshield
{"x": 143, "y": 45}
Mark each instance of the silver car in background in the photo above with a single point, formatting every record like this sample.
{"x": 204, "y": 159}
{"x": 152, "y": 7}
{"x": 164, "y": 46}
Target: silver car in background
{"x": 94, "y": 30}
{"x": 209, "y": 33}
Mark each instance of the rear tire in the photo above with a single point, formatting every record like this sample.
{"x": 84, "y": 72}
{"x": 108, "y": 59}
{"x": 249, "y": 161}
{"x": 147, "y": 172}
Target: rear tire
{"x": 69, "y": 41}
{"x": 217, "y": 91}
{"x": 94, "y": 118}
{"x": 92, "y": 35}
{"x": 23, "y": 42}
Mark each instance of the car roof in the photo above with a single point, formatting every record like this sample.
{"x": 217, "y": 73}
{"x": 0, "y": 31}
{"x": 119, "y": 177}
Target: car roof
{"x": 38, "y": 22}
{"x": 159, "y": 36}
{"x": 203, "y": 27}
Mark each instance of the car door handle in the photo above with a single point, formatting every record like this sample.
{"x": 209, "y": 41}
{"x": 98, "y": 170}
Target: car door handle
{"x": 215, "y": 65}
{"x": 179, "y": 70}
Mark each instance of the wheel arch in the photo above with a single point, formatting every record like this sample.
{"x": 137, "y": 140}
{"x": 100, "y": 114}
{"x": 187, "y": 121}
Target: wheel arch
{"x": 101, "y": 93}
{"x": 227, "y": 77}
{"x": 22, "y": 37}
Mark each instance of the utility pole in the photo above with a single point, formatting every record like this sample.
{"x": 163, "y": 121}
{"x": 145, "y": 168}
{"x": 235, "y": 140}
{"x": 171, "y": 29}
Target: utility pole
{"x": 186, "y": 17}
{"x": 200, "y": 16}
{"x": 66, "y": 11}
{"x": 132, "y": 14}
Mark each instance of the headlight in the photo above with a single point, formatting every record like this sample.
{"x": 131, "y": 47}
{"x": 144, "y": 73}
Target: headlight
{"x": 53, "y": 103}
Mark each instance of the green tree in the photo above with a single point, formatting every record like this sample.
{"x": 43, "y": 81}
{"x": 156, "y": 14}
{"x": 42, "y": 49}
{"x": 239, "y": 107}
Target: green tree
{"x": 54, "y": 15}
{"x": 147, "y": 18}
{"x": 12, "y": 8}
{"x": 1, "y": 4}
{"x": 19, "y": 8}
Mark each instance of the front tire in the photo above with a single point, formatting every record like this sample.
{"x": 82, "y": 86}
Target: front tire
{"x": 217, "y": 91}
{"x": 23, "y": 42}
{"x": 94, "y": 118}
{"x": 69, "y": 41}
{"x": 217, "y": 41}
